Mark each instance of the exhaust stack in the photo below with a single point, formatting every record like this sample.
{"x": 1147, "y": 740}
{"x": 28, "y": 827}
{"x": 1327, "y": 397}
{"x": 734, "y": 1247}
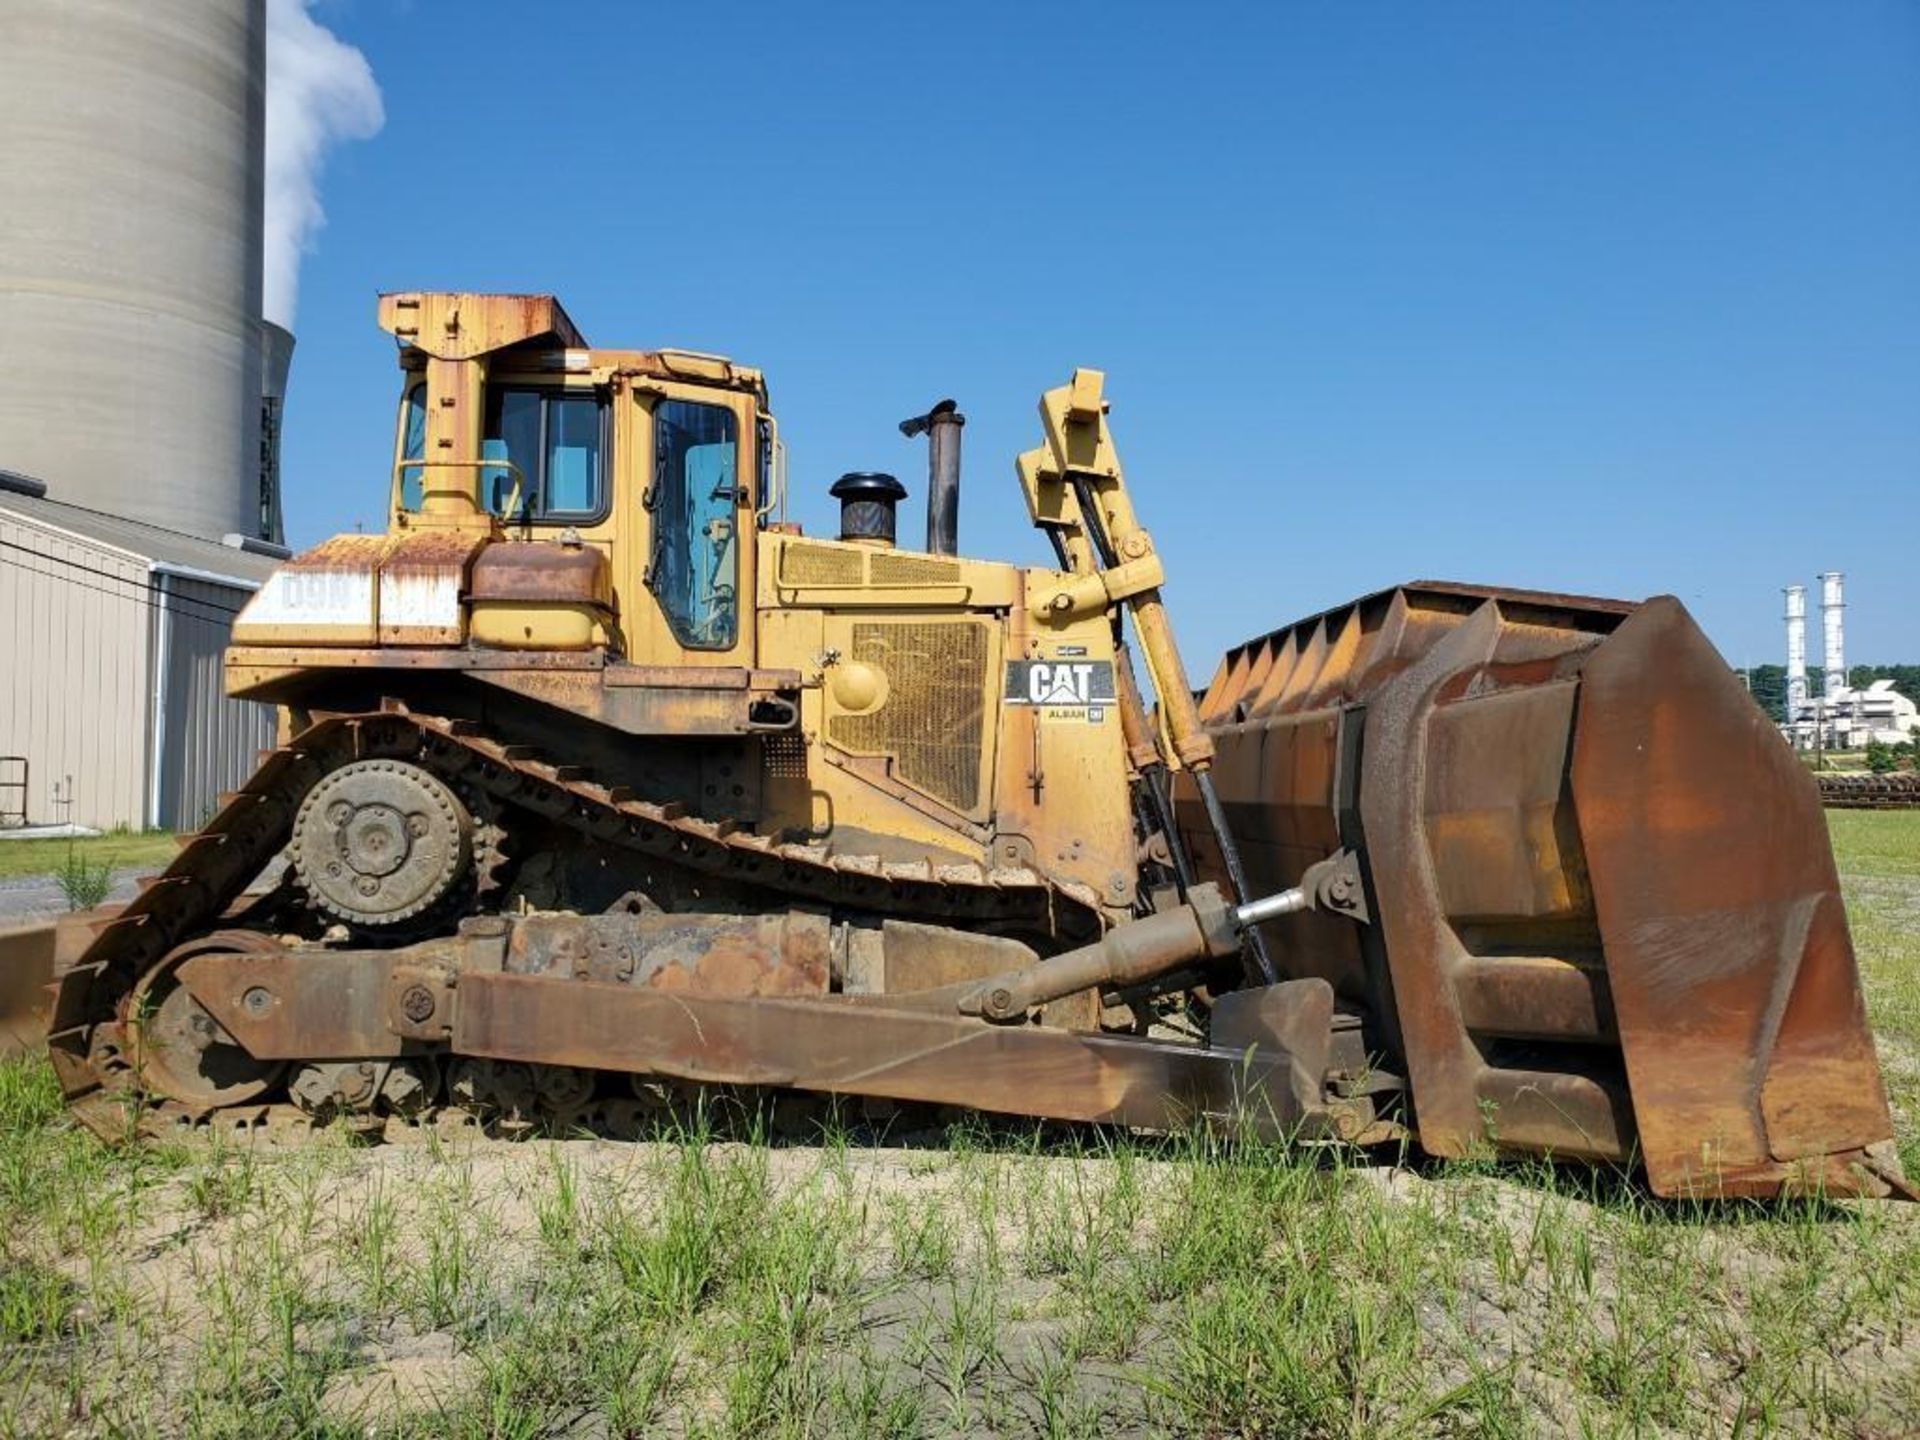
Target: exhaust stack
{"x": 1796, "y": 650}
{"x": 1833, "y": 608}
{"x": 941, "y": 425}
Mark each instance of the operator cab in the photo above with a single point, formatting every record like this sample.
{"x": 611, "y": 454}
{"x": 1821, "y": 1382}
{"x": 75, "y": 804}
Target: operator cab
{"x": 661, "y": 463}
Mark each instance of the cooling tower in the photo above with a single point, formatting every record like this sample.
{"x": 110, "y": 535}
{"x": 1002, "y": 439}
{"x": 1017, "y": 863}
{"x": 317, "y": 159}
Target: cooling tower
{"x": 276, "y": 356}
{"x": 131, "y": 184}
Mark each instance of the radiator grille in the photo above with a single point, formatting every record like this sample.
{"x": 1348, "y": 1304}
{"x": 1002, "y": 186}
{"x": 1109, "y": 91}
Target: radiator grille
{"x": 819, "y": 565}
{"x": 932, "y": 722}
{"x": 893, "y": 569}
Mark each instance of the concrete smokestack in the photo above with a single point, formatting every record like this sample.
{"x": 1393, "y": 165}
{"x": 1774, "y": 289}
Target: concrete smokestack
{"x": 1833, "y": 627}
{"x": 1796, "y": 650}
{"x": 131, "y": 194}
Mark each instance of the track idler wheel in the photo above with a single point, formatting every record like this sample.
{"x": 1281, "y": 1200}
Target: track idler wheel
{"x": 181, "y": 1052}
{"x": 378, "y": 843}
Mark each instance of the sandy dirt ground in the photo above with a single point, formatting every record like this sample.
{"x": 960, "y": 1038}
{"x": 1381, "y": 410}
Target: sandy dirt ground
{"x": 980, "y": 1280}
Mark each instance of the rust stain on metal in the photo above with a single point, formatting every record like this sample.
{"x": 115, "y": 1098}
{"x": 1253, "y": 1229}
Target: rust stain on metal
{"x": 276, "y": 1003}
{"x": 429, "y": 551}
{"x": 1609, "y": 920}
{"x": 342, "y": 552}
{"x": 541, "y": 572}
{"x": 777, "y": 954}
{"x": 835, "y": 1046}
{"x": 26, "y": 979}
{"x": 287, "y": 657}
{"x": 1732, "y": 972}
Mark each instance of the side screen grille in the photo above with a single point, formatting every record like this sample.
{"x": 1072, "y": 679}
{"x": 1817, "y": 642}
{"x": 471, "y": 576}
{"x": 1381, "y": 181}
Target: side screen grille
{"x": 819, "y": 565}
{"x": 893, "y": 569}
{"x": 932, "y": 721}
{"x": 844, "y": 567}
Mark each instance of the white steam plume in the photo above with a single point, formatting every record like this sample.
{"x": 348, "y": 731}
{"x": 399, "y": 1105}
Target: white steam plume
{"x": 320, "y": 90}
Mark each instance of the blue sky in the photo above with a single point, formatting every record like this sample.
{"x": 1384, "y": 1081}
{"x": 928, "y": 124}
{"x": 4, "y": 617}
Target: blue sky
{"x": 1615, "y": 298}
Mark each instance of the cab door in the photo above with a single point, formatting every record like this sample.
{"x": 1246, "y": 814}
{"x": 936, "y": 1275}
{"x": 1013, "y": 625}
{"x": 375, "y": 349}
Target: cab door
{"x": 687, "y": 571}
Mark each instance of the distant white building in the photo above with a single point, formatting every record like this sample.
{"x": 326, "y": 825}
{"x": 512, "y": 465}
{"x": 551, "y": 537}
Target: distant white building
{"x": 1850, "y": 719}
{"x": 1843, "y": 718}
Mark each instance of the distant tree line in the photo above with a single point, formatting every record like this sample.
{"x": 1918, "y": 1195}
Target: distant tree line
{"x": 1884, "y": 759}
{"x": 1769, "y": 683}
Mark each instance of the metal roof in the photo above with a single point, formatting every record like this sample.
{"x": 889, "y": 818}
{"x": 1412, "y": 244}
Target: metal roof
{"x": 150, "y": 542}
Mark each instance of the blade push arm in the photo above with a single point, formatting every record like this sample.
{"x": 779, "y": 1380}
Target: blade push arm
{"x": 1076, "y": 492}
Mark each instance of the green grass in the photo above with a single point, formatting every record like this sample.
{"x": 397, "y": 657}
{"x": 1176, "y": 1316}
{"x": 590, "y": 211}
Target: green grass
{"x": 998, "y": 1285}
{"x": 120, "y": 849}
{"x": 721, "y": 1289}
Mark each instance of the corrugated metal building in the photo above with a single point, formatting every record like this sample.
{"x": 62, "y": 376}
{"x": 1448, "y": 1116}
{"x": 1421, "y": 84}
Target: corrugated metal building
{"x": 111, "y": 634}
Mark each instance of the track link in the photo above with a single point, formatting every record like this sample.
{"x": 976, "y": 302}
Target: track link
{"x": 88, "y": 1032}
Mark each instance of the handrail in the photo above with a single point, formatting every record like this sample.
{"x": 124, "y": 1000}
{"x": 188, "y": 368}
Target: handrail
{"x": 393, "y": 497}
{"x": 776, "y": 478}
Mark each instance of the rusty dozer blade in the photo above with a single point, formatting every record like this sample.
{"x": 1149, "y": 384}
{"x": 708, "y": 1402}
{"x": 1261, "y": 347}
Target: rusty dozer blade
{"x": 26, "y": 979}
{"x": 1608, "y": 923}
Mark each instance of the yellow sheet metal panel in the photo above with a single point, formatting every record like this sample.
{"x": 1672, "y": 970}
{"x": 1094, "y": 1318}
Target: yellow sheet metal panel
{"x": 532, "y": 625}
{"x": 361, "y": 589}
{"x": 324, "y": 596}
{"x": 423, "y": 578}
{"x": 1059, "y": 790}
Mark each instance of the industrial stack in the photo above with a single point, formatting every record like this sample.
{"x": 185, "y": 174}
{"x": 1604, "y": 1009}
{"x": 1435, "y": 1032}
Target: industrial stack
{"x": 139, "y": 506}
{"x": 1796, "y": 649}
{"x": 1841, "y": 717}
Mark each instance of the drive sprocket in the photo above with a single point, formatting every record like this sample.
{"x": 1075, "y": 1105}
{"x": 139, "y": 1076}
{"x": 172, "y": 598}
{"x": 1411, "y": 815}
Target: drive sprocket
{"x": 380, "y": 842}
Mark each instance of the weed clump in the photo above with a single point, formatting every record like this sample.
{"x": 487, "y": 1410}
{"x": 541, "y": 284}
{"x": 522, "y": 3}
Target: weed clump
{"x": 83, "y": 883}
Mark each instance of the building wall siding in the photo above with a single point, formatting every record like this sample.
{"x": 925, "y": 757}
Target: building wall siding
{"x": 209, "y": 742}
{"x": 75, "y": 622}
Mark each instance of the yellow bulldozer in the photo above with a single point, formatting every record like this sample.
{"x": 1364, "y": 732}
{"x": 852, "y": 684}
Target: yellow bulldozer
{"x": 598, "y": 781}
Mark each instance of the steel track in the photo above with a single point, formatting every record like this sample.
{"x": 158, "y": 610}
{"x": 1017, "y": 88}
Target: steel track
{"x": 88, "y": 1034}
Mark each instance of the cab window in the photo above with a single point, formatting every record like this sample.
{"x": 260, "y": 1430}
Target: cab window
{"x": 541, "y": 454}
{"x": 694, "y": 498}
{"x": 413, "y": 444}
{"x": 553, "y": 444}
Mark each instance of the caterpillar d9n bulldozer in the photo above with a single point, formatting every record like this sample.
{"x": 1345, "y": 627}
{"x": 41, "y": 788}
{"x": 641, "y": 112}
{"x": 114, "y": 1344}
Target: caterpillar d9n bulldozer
{"x": 598, "y": 783}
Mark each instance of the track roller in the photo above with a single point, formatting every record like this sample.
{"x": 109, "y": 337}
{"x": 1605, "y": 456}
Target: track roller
{"x": 407, "y": 1087}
